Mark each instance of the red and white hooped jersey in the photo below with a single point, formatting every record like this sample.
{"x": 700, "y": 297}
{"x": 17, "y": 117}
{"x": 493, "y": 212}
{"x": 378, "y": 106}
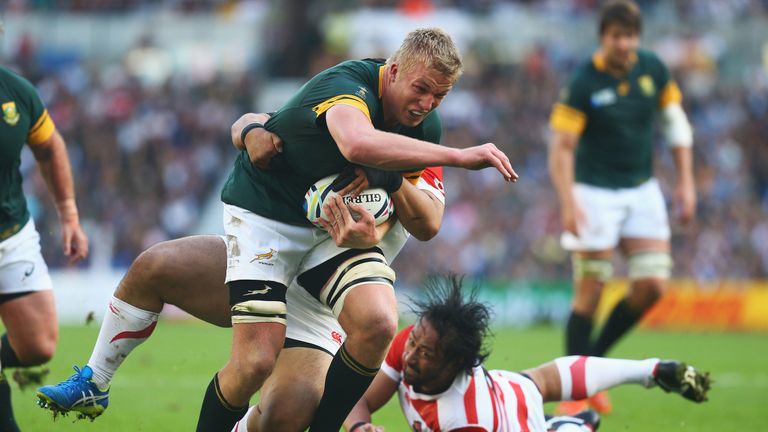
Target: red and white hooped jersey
{"x": 484, "y": 401}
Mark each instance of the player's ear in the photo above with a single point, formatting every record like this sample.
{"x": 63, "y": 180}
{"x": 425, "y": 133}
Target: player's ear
{"x": 393, "y": 70}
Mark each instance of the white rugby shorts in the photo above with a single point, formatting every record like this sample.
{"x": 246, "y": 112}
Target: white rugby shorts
{"x": 613, "y": 214}
{"x": 264, "y": 249}
{"x": 22, "y": 267}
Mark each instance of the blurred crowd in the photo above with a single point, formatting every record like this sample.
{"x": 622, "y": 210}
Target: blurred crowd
{"x": 147, "y": 157}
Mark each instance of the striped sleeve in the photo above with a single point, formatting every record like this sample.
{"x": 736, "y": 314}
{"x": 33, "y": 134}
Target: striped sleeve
{"x": 670, "y": 94}
{"x": 42, "y": 130}
{"x": 568, "y": 119}
{"x": 344, "y": 99}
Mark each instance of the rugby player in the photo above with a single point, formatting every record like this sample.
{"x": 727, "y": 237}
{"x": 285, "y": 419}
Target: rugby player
{"x": 600, "y": 163}
{"x": 436, "y": 368}
{"x": 26, "y": 298}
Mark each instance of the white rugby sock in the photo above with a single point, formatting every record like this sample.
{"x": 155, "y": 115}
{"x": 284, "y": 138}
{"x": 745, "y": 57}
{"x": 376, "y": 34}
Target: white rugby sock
{"x": 582, "y": 376}
{"x": 125, "y": 327}
{"x": 242, "y": 424}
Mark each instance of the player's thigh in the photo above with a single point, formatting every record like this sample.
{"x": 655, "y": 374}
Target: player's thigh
{"x": 291, "y": 394}
{"x": 32, "y": 327}
{"x": 603, "y": 215}
{"x": 647, "y": 213}
{"x": 187, "y": 272}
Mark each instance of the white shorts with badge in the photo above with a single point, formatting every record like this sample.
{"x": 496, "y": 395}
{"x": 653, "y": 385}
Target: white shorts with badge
{"x": 264, "y": 249}
{"x": 613, "y": 214}
{"x": 22, "y": 267}
{"x": 310, "y": 321}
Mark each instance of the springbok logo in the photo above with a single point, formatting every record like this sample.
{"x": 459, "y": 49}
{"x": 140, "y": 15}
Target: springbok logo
{"x": 10, "y": 114}
{"x": 265, "y": 256}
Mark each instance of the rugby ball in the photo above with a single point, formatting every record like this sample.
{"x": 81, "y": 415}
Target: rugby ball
{"x": 375, "y": 201}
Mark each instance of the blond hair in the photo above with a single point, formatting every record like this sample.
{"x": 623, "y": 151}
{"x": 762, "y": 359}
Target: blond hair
{"x": 432, "y": 47}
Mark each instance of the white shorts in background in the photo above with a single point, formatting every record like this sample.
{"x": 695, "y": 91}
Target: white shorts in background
{"x": 613, "y": 214}
{"x": 264, "y": 249}
{"x": 22, "y": 267}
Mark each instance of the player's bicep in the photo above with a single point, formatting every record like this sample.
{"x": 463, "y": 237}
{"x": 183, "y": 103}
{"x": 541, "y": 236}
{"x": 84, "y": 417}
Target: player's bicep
{"x": 347, "y": 124}
{"x": 380, "y": 391}
{"x": 42, "y": 132}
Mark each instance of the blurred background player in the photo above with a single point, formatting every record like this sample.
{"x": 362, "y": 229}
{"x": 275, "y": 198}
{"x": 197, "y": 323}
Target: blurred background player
{"x": 436, "y": 367}
{"x": 601, "y": 166}
{"x": 26, "y": 300}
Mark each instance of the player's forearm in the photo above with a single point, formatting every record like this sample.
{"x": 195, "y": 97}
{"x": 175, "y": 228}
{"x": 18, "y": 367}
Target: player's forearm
{"x": 237, "y": 127}
{"x": 54, "y": 165}
{"x": 561, "y": 167}
{"x": 391, "y": 151}
{"x": 420, "y": 213}
{"x": 683, "y": 157}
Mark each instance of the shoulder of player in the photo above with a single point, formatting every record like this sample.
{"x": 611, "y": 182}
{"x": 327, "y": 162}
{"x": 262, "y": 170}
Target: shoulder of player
{"x": 650, "y": 61}
{"x": 16, "y": 82}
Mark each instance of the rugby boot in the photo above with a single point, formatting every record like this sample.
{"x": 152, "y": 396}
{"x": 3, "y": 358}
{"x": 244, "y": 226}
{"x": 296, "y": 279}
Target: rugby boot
{"x": 686, "y": 380}
{"x": 78, "y": 393}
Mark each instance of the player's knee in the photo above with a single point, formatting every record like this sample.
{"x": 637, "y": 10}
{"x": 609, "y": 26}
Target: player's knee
{"x": 147, "y": 269}
{"x": 253, "y": 367}
{"x": 377, "y": 329}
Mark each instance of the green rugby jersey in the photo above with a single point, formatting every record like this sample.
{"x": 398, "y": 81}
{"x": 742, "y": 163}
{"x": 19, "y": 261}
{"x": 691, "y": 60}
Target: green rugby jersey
{"x": 614, "y": 117}
{"x": 309, "y": 151}
{"x": 25, "y": 120}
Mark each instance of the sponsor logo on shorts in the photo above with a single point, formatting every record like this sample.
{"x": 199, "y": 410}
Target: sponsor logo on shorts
{"x": 28, "y": 272}
{"x": 266, "y": 256}
{"x": 336, "y": 336}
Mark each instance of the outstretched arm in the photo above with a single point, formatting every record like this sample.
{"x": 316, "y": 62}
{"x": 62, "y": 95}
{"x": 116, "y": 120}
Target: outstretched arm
{"x": 380, "y": 391}
{"x": 52, "y": 157}
{"x": 362, "y": 144}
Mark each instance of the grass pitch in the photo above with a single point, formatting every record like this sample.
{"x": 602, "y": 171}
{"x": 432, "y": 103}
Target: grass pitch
{"x": 160, "y": 386}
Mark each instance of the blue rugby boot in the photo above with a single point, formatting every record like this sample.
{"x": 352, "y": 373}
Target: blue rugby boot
{"x": 78, "y": 393}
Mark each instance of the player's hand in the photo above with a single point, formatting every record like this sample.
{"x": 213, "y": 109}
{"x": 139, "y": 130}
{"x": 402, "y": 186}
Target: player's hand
{"x": 355, "y": 179}
{"x": 343, "y": 228}
{"x": 571, "y": 217}
{"x": 350, "y": 180}
{"x": 685, "y": 202}
{"x": 262, "y": 146}
{"x": 485, "y": 156}
{"x": 74, "y": 240}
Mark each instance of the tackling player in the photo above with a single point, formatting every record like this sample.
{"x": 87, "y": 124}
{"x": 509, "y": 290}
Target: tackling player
{"x": 26, "y": 300}
{"x": 600, "y": 161}
{"x": 189, "y": 272}
{"x": 436, "y": 368}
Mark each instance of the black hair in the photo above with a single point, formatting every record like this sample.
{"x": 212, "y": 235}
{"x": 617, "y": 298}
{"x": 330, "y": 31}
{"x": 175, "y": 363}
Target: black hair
{"x": 624, "y": 13}
{"x": 461, "y": 322}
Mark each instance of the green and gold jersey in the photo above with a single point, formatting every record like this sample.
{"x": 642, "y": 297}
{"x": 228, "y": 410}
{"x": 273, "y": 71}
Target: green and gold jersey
{"x": 309, "y": 151}
{"x": 25, "y": 120}
{"x": 614, "y": 117}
